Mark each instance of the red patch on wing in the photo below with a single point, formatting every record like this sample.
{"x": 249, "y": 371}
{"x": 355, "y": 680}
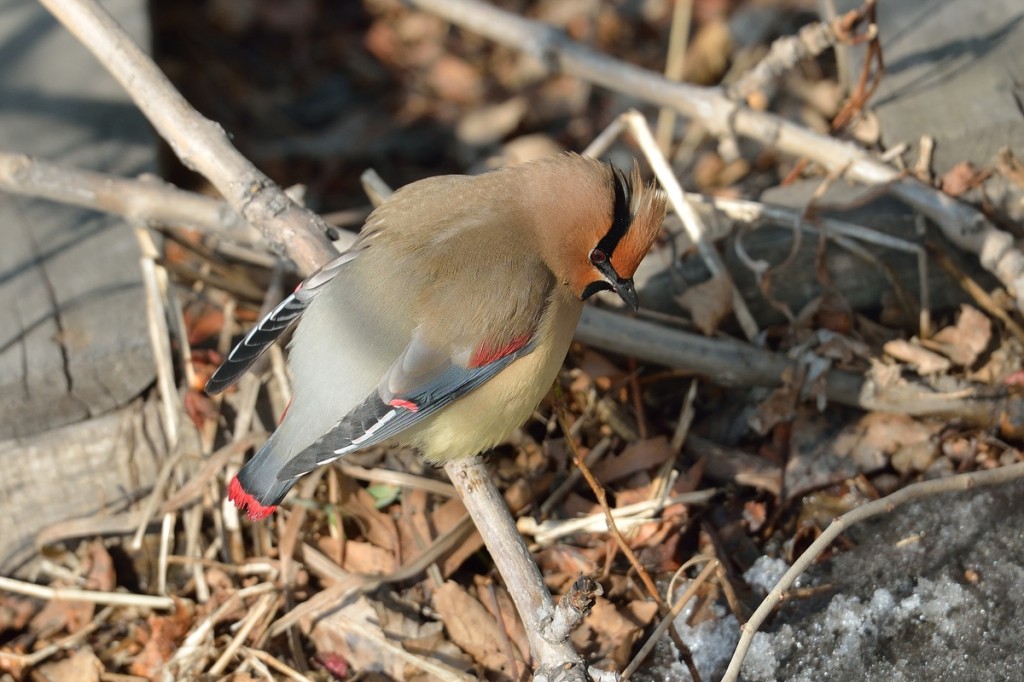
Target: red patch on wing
{"x": 247, "y": 503}
{"x": 407, "y": 404}
{"x": 286, "y": 408}
{"x": 487, "y": 352}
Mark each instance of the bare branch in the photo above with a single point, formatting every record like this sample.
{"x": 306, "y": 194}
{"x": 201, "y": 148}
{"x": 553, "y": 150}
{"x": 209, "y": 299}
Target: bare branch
{"x": 962, "y": 224}
{"x": 522, "y": 577}
{"x": 145, "y": 201}
{"x": 200, "y": 143}
{"x": 884, "y": 505}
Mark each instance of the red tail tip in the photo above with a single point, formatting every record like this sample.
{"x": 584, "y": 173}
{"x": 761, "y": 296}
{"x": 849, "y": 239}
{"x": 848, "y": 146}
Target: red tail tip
{"x": 247, "y": 503}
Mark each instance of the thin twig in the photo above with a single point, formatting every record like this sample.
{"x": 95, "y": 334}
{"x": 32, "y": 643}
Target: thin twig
{"x": 143, "y": 601}
{"x": 641, "y": 572}
{"x": 286, "y": 670}
{"x": 692, "y": 221}
{"x": 884, "y": 505}
{"x": 668, "y": 619}
{"x": 182, "y": 660}
{"x": 248, "y": 623}
{"x": 159, "y": 337}
{"x": 631, "y": 515}
{"x": 675, "y": 67}
{"x": 602, "y": 500}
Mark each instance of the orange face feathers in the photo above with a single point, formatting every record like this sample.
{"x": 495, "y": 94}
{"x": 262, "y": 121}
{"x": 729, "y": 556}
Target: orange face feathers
{"x": 646, "y": 213}
{"x": 608, "y": 250}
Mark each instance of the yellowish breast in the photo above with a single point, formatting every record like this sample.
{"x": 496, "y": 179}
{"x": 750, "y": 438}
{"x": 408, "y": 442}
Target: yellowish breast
{"x": 486, "y": 417}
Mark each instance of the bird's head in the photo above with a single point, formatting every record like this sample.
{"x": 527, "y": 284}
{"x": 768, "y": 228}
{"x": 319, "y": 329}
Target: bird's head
{"x": 608, "y": 222}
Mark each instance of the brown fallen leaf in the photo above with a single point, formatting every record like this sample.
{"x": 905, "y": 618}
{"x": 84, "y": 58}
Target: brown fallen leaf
{"x": 58, "y": 615}
{"x": 708, "y": 302}
{"x": 455, "y": 80}
{"x": 962, "y": 177}
{"x": 365, "y": 633}
{"x": 444, "y": 518}
{"x": 638, "y": 456}
{"x": 827, "y": 448}
{"x": 965, "y": 341}
{"x": 81, "y": 666}
{"x": 923, "y": 361}
{"x": 161, "y": 639}
{"x": 471, "y": 627}
{"x": 509, "y": 617}
{"x": 367, "y": 559}
{"x": 15, "y": 612}
{"x": 610, "y": 633}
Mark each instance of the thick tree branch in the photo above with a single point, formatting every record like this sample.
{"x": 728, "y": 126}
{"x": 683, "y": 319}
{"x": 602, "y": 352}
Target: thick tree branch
{"x": 521, "y": 575}
{"x": 965, "y": 226}
{"x": 147, "y": 201}
{"x": 200, "y": 143}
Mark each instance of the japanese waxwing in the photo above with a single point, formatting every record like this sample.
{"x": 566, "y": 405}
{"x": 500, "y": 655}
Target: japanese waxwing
{"x": 445, "y": 324}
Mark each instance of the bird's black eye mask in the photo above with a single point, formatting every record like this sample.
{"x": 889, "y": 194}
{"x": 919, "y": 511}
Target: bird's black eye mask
{"x": 622, "y": 218}
{"x": 600, "y": 256}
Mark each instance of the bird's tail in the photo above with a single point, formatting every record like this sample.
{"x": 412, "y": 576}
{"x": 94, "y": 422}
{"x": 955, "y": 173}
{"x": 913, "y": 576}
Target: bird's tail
{"x": 256, "y": 489}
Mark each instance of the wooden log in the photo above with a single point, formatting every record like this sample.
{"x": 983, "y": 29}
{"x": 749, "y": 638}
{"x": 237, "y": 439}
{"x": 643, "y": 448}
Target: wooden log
{"x": 74, "y": 343}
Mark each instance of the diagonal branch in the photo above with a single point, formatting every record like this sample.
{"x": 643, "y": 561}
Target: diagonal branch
{"x": 200, "y": 143}
{"x": 962, "y": 224}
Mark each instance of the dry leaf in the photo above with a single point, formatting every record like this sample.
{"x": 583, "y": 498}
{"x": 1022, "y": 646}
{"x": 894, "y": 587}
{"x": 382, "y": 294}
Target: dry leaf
{"x": 961, "y": 178}
{"x": 378, "y": 527}
{"x": 444, "y": 519}
{"x": 708, "y": 302}
{"x": 454, "y": 79}
{"x": 368, "y": 559}
{"x": 613, "y": 632}
{"x": 364, "y": 634}
{"x": 965, "y": 341}
{"x": 924, "y": 361}
{"x": 15, "y": 612}
{"x": 161, "y": 640}
{"x": 827, "y": 448}
{"x": 638, "y": 456}
{"x": 508, "y": 616}
{"x": 471, "y": 627}
{"x": 598, "y": 369}
{"x": 81, "y": 666}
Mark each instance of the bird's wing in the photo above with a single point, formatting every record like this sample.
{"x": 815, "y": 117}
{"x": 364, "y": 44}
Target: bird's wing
{"x": 422, "y": 381}
{"x": 264, "y": 334}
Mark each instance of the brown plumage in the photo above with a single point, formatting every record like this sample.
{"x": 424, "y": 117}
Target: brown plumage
{"x": 447, "y": 321}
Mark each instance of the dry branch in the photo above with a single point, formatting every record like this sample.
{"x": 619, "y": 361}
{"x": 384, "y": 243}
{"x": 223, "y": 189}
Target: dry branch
{"x": 884, "y": 505}
{"x": 962, "y": 224}
{"x": 200, "y": 143}
{"x": 145, "y": 201}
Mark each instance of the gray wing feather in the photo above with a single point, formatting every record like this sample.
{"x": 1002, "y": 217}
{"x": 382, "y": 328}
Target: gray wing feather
{"x": 375, "y": 421}
{"x": 273, "y": 324}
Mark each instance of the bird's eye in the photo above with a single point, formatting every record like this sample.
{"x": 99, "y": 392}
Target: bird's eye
{"x": 598, "y": 256}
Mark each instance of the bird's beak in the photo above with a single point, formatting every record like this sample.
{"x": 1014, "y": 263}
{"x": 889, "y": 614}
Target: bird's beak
{"x": 627, "y": 292}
